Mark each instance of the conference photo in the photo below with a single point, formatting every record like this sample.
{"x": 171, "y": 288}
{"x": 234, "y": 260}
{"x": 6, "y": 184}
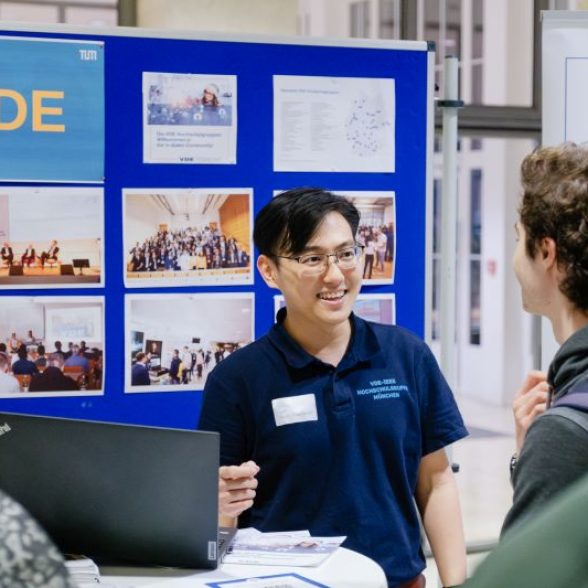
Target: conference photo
{"x": 377, "y": 234}
{"x": 51, "y": 346}
{"x": 51, "y": 237}
{"x": 187, "y": 237}
{"x": 166, "y": 352}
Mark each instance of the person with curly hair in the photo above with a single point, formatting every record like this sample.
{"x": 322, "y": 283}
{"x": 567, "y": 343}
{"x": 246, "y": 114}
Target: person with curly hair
{"x": 551, "y": 265}
{"x": 28, "y": 557}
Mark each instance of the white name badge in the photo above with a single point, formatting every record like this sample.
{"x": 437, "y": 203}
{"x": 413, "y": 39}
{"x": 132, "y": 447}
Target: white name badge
{"x": 294, "y": 409}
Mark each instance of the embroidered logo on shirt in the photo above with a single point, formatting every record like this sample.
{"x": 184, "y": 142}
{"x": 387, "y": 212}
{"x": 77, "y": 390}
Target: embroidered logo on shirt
{"x": 383, "y": 389}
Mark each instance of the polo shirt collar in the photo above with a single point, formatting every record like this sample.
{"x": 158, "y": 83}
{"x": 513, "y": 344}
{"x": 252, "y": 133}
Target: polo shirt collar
{"x": 364, "y": 345}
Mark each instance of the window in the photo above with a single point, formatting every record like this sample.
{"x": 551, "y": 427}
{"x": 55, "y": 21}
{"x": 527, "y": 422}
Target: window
{"x": 436, "y": 302}
{"x": 389, "y": 19}
{"x": 360, "y": 19}
{"x": 76, "y": 12}
{"x": 475, "y": 256}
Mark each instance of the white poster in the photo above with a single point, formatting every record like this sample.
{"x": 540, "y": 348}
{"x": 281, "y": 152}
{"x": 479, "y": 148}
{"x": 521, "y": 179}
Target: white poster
{"x": 565, "y": 77}
{"x": 565, "y": 86}
{"x": 189, "y": 118}
{"x": 332, "y": 124}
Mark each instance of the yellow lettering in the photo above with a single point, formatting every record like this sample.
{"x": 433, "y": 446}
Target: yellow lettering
{"x": 21, "y": 110}
{"x": 39, "y": 111}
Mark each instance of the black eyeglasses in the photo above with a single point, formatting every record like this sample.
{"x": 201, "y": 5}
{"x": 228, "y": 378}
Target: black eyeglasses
{"x": 317, "y": 263}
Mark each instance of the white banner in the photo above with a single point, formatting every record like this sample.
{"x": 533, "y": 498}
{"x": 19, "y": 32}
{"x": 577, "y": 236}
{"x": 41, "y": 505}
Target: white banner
{"x": 565, "y": 87}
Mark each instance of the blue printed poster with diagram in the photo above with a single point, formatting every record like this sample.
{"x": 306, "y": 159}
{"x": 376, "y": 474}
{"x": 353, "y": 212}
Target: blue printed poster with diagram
{"x": 51, "y": 110}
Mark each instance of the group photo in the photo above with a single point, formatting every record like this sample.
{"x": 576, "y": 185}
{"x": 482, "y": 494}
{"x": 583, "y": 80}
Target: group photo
{"x": 187, "y": 237}
{"x": 51, "y": 237}
{"x": 51, "y": 346}
{"x": 377, "y": 234}
{"x": 165, "y": 352}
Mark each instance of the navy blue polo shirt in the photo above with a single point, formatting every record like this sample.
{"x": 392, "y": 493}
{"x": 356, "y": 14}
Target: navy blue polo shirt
{"x": 353, "y": 469}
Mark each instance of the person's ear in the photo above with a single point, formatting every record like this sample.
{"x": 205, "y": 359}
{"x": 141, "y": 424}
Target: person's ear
{"x": 548, "y": 252}
{"x": 268, "y": 270}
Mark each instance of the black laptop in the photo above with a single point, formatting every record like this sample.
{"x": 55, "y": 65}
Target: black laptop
{"x": 116, "y": 493}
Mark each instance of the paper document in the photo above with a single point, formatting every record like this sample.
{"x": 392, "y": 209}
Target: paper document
{"x": 280, "y": 549}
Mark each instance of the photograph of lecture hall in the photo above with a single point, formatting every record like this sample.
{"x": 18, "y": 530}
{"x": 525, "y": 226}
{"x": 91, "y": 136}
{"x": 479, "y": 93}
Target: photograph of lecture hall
{"x": 51, "y": 346}
{"x": 50, "y": 237}
{"x": 442, "y": 429}
{"x": 167, "y": 352}
{"x": 187, "y": 236}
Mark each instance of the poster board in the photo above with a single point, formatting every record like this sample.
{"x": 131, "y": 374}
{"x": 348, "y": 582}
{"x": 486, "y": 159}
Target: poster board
{"x": 564, "y": 114}
{"x": 154, "y": 242}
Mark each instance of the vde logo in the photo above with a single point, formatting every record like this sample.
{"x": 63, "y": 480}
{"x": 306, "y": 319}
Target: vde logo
{"x": 43, "y": 103}
{"x": 5, "y": 428}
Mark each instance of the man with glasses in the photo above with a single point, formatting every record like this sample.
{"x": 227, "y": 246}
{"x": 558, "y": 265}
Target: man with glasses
{"x": 338, "y": 424}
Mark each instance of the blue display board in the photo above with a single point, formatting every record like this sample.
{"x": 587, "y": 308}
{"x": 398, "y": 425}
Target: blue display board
{"x": 143, "y": 175}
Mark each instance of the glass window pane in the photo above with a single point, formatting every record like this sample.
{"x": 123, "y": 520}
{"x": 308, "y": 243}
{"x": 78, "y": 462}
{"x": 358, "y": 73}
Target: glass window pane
{"x": 25, "y": 12}
{"x": 437, "y": 215}
{"x": 96, "y": 17}
{"x": 476, "y": 211}
{"x": 360, "y": 19}
{"x": 436, "y": 326}
{"x": 389, "y": 27}
{"x": 475, "y": 310}
{"x": 478, "y": 32}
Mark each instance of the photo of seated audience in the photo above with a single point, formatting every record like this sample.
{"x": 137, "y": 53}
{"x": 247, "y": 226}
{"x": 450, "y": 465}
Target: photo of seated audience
{"x": 165, "y": 352}
{"x": 185, "y": 237}
{"x": 377, "y": 234}
{"x": 55, "y": 237}
{"x": 34, "y": 361}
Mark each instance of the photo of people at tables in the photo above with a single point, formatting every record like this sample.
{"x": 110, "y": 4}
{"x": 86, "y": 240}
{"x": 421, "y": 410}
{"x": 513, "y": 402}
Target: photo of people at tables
{"x": 51, "y": 346}
{"x": 377, "y": 233}
{"x": 51, "y": 237}
{"x": 166, "y": 352}
{"x": 187, "y": 237}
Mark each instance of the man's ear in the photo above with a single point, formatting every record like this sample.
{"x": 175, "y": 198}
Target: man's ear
{"x": 268, "y": 270}
{"x": 548, "y": 252}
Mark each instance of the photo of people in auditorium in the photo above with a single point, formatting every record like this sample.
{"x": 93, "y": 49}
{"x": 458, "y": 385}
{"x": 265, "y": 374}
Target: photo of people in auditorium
{"x": 54, "y": 237}
{"x": 187, "y": 236}
{"x": 165, "y": 352}
{"x": 377, "y": 234}
{"x": 51, "y": 346}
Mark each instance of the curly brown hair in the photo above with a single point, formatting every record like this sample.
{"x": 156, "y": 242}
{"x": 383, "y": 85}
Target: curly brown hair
{"x": 555, "y": 205}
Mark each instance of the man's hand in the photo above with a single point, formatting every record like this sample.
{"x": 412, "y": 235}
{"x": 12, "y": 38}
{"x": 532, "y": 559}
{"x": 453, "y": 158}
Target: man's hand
{"x": 529, "y": 402}
{"x": 236, "y": 488}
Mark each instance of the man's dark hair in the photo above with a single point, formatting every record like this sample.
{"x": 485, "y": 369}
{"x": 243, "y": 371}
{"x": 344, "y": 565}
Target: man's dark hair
{"x": 3, "y": 347}
{"x": 41, "y": 350}
{"x": 287, "y": 223}
{"x": 140, "y": 356}
{"x": 555, "y": 205}
{"x": 58, "y": 345}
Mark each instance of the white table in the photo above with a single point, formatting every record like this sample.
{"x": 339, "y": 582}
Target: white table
{"x": 343, "y": 569}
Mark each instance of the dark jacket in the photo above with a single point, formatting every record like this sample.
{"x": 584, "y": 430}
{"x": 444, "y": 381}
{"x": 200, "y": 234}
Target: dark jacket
{"x": 52, "y": 380}
{"x": 555, "y": 452}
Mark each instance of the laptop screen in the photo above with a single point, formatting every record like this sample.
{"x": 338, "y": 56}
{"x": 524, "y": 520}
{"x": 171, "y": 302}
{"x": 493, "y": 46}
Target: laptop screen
{"x": 116, "y": 493}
